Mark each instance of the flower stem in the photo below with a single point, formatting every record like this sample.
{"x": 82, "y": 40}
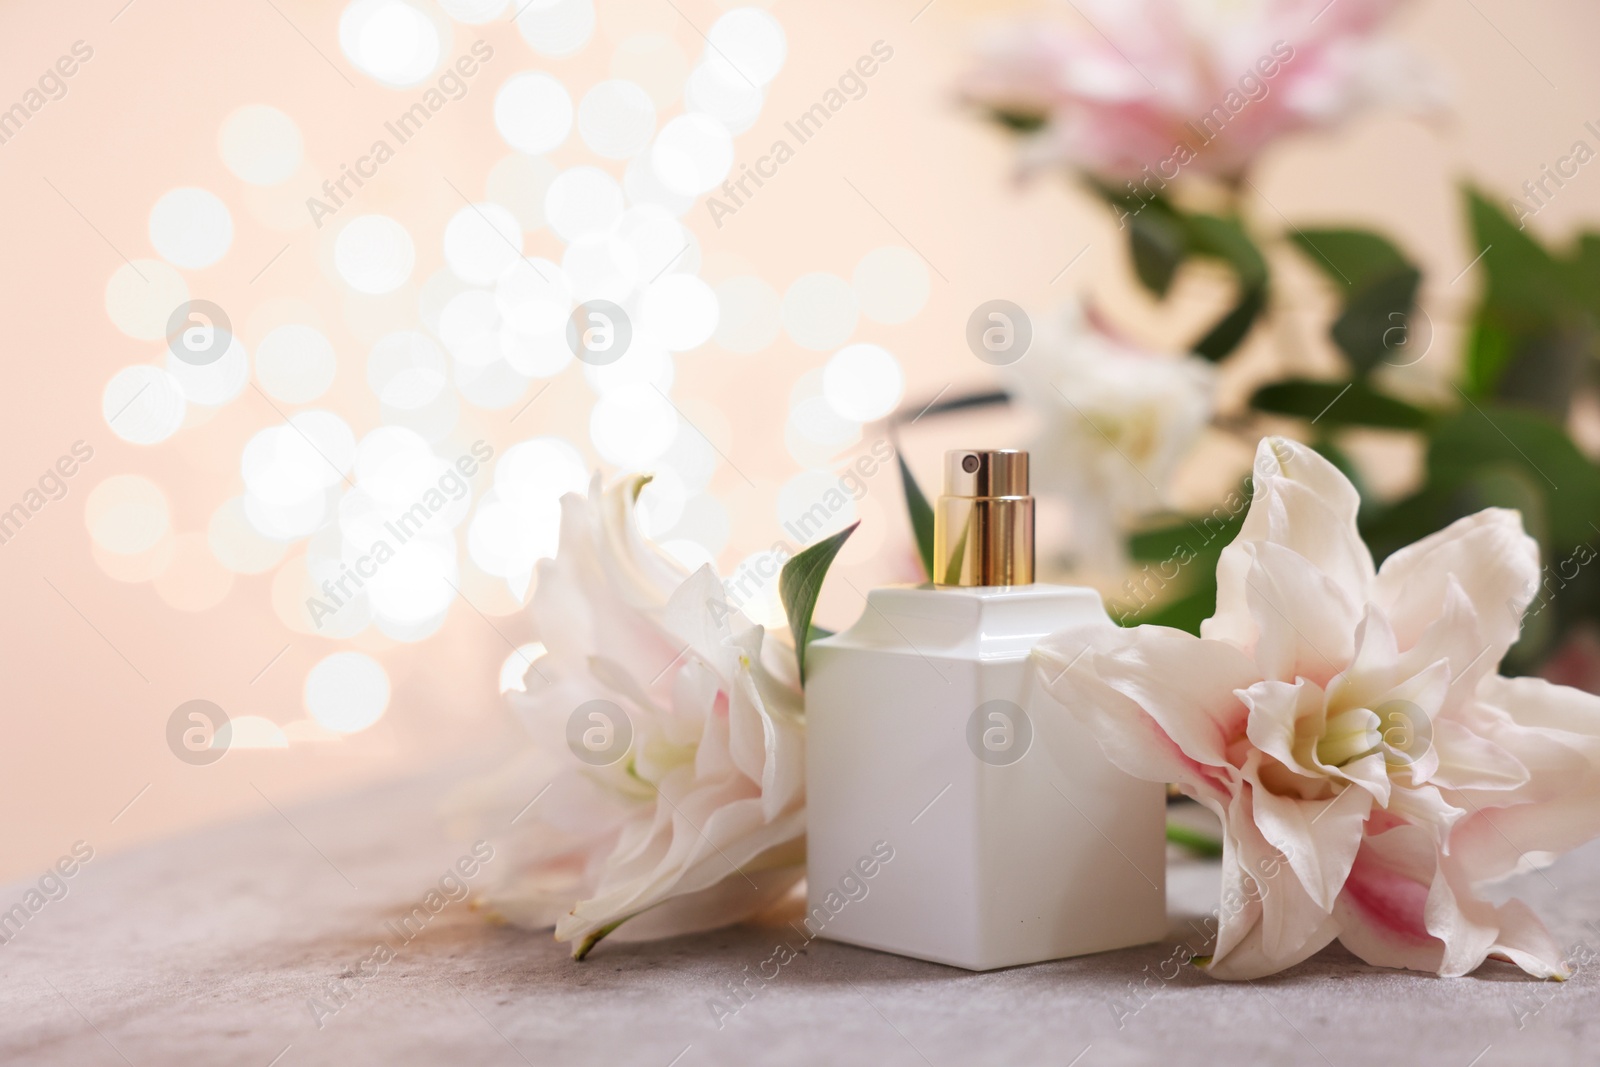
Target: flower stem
{"x": 1193, "y": 840}
{"x": 595, "y": 937}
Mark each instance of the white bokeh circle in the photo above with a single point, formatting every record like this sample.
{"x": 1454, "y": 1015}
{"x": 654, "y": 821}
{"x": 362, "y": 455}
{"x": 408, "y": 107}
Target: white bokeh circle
{"x": 533, "y": 112}
{"x": 481, "y": 241}
{"x": 143, "y": 405}
{"x": 474, "y": 12}
{"x": 863, "y": 382}
{"x": 347, "y": 692}
{"x": 534, "y": 298}
{"x": 616, "y": 119}
{"x": 295, "y": 363}
{"x": 518, "y": 182}
{"x": 374, "y": 254}
{"x": 633, "y": 426}
{"x": 260, "y": 144}
{"x": 639, "y": 181}
{"x": 746, "y": 43}
{"x": 191, "y": 228}
{"x": 735, "y": 103}
{"x": 127, "y": 514}
{"x": 215, "y": 383}
{"x": 390, "y": 41}
{"x": 141, "y": 296}
{"x": 692, "y": 154}
{"x": 237, "y": 544}
{"x": 601, "y": 266}
{"x": 658, "y": 240}
{"x": 469, "y": 326}
{"x": 406, "y": 370}
{"x": 681, "y": 310}
{"x": 582, "y": 201}
{"x": 556, "y": 28}
{"x": 891, "y": 284}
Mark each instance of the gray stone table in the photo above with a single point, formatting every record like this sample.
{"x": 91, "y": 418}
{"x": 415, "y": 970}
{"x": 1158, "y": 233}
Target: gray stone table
{"x": 211, "y": 949}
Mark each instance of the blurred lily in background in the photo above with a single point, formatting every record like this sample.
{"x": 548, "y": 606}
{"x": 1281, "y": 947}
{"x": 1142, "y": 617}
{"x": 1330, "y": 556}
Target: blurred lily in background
{"x": 1153, "y": 87}
{"x": 1104, "y": 404}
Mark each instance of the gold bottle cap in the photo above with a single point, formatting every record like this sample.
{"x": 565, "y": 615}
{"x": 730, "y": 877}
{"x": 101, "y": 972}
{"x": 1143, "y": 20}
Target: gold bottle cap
{"x": 983, "y": 523}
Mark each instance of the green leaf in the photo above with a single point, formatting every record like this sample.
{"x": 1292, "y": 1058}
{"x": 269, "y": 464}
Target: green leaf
{"x": 1224, "y": 238}
{"x": 1535, "y": 329}
{"x": 1160, "y": 542}
{"x": 799, "y": 585}
{"x": 1380, "y": 290}
{"x": 1194, "y": 536}
{"x": 1194, "y": 840}
{"x": 921, "y": 515}
{"x": 1184, "y": 612}
{"x": 1157, "y": 234}
{"x": 1488, "y": 435}
{"x": 1392, "y": 527}
{"x": 1509, "y": 485}
{"x": 1546, "y": 371}
{"x": 1353, "y": 403}
{"x": 1376, "y": 318}
{"x": 1161, "y": 237}
{"x": 1492, "y": 455}
{"x": 952, "y": 571}
{"x": 1156, "y": 239}
{"x": 1525, "y": 283}
{"x": 1177, "y": 586}
{"x": 1350, "y": 257}
{"x": 960, "y": 402}
{"x": 1231, "y": 330}
{"x": 1490, "y": 347}
{"x": 1586, "y": 265}
{"x": 1020, "y": 121}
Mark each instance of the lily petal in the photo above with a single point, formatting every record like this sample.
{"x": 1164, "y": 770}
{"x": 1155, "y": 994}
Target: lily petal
{"x": 1304, "y": 504}
{"x": 1554, "y": 732}
{"x": 1161, "y": 702}
{"x": 1467, "y": 761}
{"x": 702, "y": 822}
{"x": 1473, "y": 929}
{"x": 1488, "y": 554}
{"x": 1381, "y": 911}
{"x": 1267, "y": 920}
{"x": 1305, "y": 620}
{"x": 1319, "y": 837}
{"x": 1285, "y": 721}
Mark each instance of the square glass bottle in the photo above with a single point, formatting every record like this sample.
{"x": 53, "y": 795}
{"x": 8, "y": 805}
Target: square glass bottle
{"x": 930, "y": 740}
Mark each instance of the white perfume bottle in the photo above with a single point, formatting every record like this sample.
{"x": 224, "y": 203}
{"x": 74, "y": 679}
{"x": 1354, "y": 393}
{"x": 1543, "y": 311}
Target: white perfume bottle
{"x": 956, "y": 812}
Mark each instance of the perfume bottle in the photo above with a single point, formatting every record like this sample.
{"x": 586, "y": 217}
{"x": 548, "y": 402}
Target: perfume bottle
{"x": 956, "y": 812}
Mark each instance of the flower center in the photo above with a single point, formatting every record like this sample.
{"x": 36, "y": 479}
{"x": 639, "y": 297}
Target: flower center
{"x": 1349, "y": 735}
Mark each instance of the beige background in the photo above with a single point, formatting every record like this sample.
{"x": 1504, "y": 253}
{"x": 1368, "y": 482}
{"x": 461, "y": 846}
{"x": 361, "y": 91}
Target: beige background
{"x": 91, "y": 673}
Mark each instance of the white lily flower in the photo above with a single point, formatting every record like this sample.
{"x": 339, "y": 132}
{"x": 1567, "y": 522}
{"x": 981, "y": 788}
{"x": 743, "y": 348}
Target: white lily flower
{"x": 1371, "y": 768}
{"x": 682, "y": 806}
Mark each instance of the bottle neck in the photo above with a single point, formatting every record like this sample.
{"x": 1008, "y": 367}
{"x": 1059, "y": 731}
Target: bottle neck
{"x": 983, "y": 541}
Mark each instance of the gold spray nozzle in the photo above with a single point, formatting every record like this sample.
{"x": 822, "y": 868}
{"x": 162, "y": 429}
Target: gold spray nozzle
{"x": 983, "y": 522}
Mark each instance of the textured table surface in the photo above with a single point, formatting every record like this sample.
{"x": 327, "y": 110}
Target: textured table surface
{"x": 212, "y": 949}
